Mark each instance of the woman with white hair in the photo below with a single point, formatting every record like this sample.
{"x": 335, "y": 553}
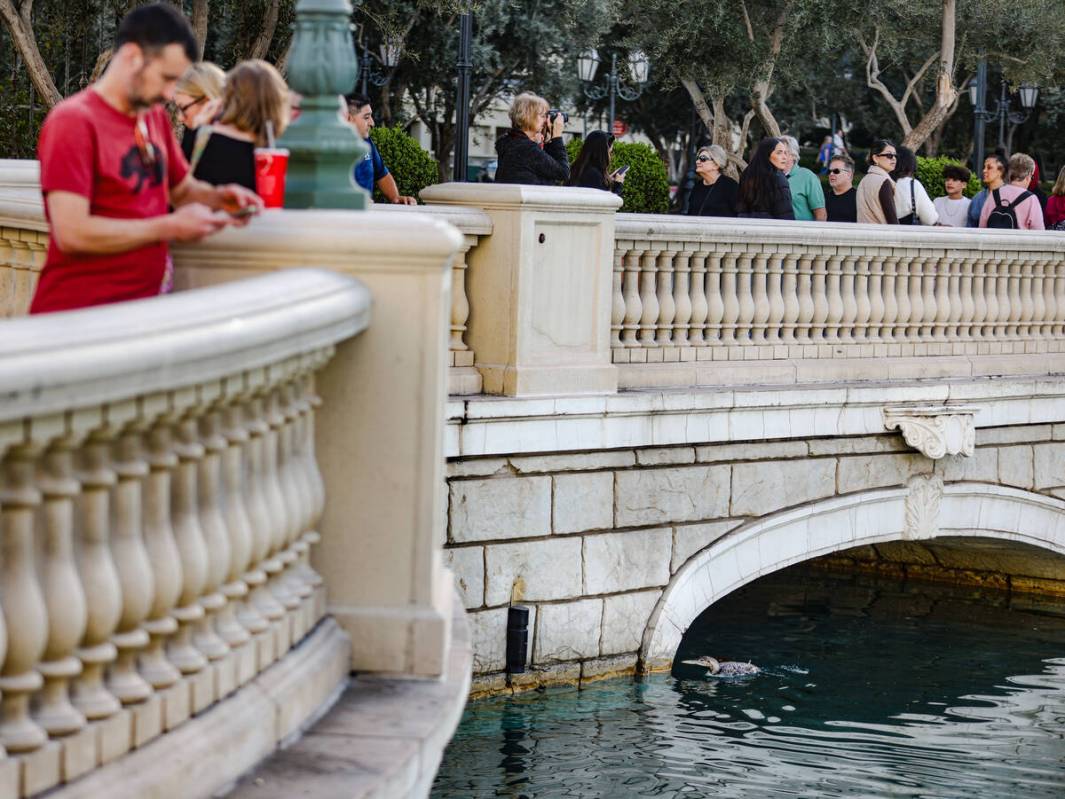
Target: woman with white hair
{"x": 715, "y": 193}
{"x": 531, "y": 152}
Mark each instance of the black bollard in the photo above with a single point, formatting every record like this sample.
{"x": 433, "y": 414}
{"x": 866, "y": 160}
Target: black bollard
{"x": 517, "y": 638}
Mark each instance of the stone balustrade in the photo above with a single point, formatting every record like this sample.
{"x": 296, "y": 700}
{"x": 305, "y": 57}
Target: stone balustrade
{"x": 23, "y": 235}
{"x": 714, "y": 290}
{"x": 159, "y": 497}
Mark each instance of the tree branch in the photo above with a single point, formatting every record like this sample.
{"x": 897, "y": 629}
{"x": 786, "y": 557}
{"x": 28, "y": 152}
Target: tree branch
{"x": 20, "y": 26}
{"x": 261, "y": 46}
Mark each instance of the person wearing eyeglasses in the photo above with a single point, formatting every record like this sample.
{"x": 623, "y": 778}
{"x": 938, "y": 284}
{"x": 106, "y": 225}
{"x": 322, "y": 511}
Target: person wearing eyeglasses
{"x": 111, "y": 168}
{"x": 876, "y": 192}
{"x": 715, "y": 193}
{"x": 196, "y": 98}
{"x": 841, "y": 203}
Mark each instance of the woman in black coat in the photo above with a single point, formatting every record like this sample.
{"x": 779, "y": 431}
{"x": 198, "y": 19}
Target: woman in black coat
{"x": 715, "y": 193}
{"x": 590, "y": 169}
{"x": 764, "y": 192}
{"x": 531, "y": 152}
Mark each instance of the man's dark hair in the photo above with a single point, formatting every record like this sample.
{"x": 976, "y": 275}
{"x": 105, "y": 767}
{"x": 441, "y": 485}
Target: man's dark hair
{"x": 154, "y": 27}
{"x": 357, "y": 101}
{"x": 956, "y": 172}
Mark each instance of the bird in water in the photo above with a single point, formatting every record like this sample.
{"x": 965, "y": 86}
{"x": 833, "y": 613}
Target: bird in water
{"x": 730, "y": 668}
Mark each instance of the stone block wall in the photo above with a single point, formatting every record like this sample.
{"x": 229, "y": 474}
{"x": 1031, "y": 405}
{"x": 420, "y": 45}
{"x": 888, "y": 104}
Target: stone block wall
{"x": 589, "y": 540}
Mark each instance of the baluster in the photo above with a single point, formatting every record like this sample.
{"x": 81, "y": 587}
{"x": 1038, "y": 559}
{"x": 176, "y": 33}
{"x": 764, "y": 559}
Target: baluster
{"x": 790, "y": 298}
{"x": 133, "y": 567}
{"x": 865, "y": 328}
{"x": 760, "y": 296}
{"x": 293, "y": 477}
{"x": 835, "y": 298}
{"x": 969, "y": 320}
{"x": 25, "y": 614}
{"x": 162, "y": 554}
{"x": 990, "y": 295}
{"x": 207, "y": 432}
{"x": 1059, "y": 297}
{"x": 1024, "y": 322}
{"x": 715, "y": 302}
{"x": 617, "y": 307}
{"x": 819, "y": 290}
{"x": 807, "y": 304}
{"x": 943, "y": 271}
{"x": 191, "y": 548}
{"x": 889, "y": 266}
{"x": 745, "y": 297}
{"x": 667, "y": 310}
{"x": 699, "y": 303}
{"x": 276, "y": 501}
{"x": 103, "y": 592}
{"x": 730, "y": 299}
{"x": 1050, "y": 306}
{"x": 460, "y": 304}
{"x": 1016, "y": 268}
{"x": 902, "y": 298}
{"x": 310, "y": 400}
{"x": 916, "y": 283}
{"x": 63, "y": 596}
{"x": 775, "y": 289}
{"x": 954, "y": 296}
{"x": 848, "y": 272}
{"x": 928, "y": 297}
{"x": 633, "y": 304}
{"x": 1005, "y": 293}
{"x": 239, "y": 579}
{"x": 649, "y": 296}
{"x": 682, "y": 302}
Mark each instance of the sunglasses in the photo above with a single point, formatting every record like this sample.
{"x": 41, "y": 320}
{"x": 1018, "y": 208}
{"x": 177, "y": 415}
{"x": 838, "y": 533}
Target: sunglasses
{"x": 892, "y": 156}
{"x": 702, "y": 159}
{"x": 837, "y": 171}
{"x": 144, "y": 144}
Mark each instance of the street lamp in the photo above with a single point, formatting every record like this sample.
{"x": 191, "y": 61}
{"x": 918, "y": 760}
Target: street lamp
{"x": 388, "y": 58}
{"x": 1029, "y": 95}
{"x": 639, "y": 67}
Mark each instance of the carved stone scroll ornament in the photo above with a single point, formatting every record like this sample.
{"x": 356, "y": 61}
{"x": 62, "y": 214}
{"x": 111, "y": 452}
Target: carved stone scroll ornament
{"x": 935, "y": 430}
{"x": 922, "y": 507}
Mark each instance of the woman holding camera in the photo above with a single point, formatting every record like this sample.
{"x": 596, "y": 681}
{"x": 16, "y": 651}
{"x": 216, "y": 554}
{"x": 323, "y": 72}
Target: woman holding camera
{"x": 531, "y": 152}
{"x": 590, "y": 169}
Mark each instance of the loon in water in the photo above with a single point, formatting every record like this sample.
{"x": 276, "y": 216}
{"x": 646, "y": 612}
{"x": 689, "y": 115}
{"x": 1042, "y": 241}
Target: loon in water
{"x": 730, "y": 668}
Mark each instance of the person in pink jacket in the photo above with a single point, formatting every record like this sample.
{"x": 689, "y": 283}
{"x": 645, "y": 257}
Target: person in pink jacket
{"x": 1012, "y": 205}
{"x": 1054, "y": 216}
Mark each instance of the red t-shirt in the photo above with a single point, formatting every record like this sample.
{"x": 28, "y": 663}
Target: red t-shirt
{"x": 88, "y": 148}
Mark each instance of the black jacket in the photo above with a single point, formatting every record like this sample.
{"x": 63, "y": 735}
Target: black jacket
{"x": 522, "y": 161}
{"x": 776, "y": 206}
{"x": 592, "y": 178}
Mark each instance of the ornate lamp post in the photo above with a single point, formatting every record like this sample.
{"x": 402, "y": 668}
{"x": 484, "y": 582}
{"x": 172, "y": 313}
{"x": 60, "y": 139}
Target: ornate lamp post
{"x": 388, "y": 59}
{"x": 588, "y": 64}
{"x": 1029, "y": 95}
{"x": 322, "y": 148}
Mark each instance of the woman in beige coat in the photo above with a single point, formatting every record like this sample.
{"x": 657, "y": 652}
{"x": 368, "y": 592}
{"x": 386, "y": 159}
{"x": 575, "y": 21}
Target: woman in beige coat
{"x": 876, "y": 192}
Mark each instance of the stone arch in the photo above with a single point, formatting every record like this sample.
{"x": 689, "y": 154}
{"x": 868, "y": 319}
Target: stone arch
{"x": 924, "y": 509}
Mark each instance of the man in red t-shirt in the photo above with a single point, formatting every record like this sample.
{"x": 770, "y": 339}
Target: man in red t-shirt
{"x": 111, "y": 169}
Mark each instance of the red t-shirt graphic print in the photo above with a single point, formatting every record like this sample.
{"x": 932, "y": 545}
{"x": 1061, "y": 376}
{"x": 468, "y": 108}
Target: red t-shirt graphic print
{"x": 90, "y": 149}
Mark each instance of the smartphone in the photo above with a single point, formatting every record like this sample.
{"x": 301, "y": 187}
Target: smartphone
{"x": 622, "y": 170}
{"x": 246, "y": 211}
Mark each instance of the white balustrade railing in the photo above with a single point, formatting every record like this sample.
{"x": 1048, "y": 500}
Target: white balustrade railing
{"x": 23, "y": 235}
{"x": 159, "y": 494}
{"x": 728, "y": 290}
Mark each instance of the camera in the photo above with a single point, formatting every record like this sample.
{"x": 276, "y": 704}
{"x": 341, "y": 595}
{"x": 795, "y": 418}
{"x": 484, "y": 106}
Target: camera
{"x": 554, "y": 112}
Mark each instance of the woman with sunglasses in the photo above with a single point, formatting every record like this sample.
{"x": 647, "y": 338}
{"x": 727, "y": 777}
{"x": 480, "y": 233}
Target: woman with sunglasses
{"x": 764, "y": 192}
{"x": 196, "y": 99}
{"x": 589, "y": 170}
{"x": 876, "y": 192}
{"x": 715, "y": 194}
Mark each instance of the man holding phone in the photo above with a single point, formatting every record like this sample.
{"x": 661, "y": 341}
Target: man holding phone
{"x": 111, "y": 169}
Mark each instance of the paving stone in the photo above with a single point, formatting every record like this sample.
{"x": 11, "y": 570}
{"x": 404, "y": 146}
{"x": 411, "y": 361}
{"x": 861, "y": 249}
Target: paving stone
{"x": 760, "y": 488}
{"x": 662, "y": 496}
{"x": 500, "y": 508}
{"x": 583, "y": 501}
{"x": 626, "y": 561}
{"x": 533, "y": 571}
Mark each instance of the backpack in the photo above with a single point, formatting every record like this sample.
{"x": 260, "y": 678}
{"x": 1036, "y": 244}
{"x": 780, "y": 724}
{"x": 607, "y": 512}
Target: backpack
{"x": 1004, "y": 216}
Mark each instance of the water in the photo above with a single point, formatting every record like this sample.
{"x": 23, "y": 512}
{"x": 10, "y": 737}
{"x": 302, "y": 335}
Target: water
{"x": 868, "y": 690}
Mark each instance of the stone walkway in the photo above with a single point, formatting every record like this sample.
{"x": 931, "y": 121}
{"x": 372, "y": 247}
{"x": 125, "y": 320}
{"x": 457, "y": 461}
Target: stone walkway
{"x": 383, "y": 739}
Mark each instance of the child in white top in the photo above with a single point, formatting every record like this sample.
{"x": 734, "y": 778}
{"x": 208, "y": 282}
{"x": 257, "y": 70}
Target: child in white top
{"x": 954, "y": 208}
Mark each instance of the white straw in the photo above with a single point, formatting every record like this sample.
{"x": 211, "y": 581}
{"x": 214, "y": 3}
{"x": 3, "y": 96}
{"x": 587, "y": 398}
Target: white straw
{"x": 270, "y": 133}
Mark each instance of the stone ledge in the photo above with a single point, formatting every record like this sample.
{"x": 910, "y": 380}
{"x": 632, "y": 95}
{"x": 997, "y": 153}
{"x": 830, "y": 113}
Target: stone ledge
{"x": 383, "y": 738}
{"x": 206, "y": 754}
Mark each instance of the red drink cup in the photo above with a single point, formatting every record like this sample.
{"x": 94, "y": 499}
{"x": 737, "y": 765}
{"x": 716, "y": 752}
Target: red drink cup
{"x": 271, "y": 163}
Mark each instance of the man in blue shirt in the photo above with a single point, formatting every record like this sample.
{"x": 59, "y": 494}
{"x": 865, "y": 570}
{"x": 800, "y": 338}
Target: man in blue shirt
{"x": 371, "y": 170}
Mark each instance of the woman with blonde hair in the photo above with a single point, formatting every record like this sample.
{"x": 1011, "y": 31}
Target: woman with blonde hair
{"x": 531, "y": 152}
{"x": 254, "y": 107}
{"x": 1054, "y": 217}
{"x": 196, "y": 96}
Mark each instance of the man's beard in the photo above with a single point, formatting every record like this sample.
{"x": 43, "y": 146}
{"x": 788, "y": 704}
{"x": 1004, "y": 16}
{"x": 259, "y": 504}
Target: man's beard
{"x": 137, "y": 100}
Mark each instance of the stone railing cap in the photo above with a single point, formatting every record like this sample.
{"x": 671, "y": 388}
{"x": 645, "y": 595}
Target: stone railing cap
{"x": 59, "y": 362}
{"x": 468, "y": 219}
{"x": 513, "y": 195}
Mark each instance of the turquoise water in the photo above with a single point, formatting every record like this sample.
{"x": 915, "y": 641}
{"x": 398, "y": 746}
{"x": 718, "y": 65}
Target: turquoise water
{"x": 868, "y": 690}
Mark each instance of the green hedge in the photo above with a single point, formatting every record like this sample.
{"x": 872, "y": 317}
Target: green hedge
{"x": 930, "y": 173}
{"x": 409, "y": 164}
{"x": 646, "y": 189}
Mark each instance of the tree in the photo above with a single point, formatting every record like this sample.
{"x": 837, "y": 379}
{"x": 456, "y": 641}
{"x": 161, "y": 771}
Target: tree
{"x": 19, "y": 22}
